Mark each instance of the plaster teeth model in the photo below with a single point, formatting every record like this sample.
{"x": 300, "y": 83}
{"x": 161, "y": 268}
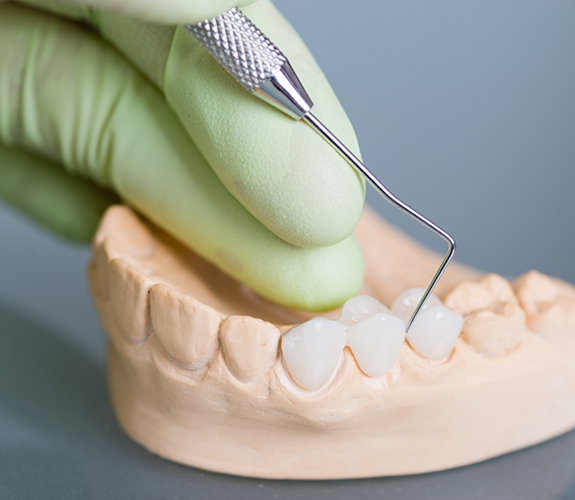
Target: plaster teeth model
{"x": 198, "y": 370}
{"x": 550, "y": 307}
{"x": 376, "y": 343}
{"x": 174, "y": 317}
{"x": 494, "y": 324}
{"x": 249, "y": 346}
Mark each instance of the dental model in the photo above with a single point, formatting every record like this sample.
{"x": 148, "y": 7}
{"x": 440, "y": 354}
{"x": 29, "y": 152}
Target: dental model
{"x": 206, "y": 373}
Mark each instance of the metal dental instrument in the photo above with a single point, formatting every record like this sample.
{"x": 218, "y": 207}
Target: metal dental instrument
{"x": 261, "y": 68}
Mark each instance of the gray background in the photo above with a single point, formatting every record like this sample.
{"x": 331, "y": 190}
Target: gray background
{"x": 464, "y": 109}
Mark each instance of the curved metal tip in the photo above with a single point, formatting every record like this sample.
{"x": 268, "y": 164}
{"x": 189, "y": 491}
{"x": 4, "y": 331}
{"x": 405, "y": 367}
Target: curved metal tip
{"x": 429, "y": 290}
{"x": 311, "y": 120}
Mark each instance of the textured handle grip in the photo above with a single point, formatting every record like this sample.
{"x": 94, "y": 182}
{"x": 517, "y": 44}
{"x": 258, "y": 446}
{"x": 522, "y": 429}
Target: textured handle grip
{"x": 240, "y": 47}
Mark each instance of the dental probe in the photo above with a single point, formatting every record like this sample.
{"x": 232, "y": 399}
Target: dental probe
{"x": 262, "y": 69}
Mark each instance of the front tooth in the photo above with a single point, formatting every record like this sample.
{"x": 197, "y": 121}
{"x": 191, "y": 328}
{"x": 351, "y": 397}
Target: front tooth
{"x": 128, "y": 291}
{"x": 376, "y": 342}
{"x": 435, "y": 331}
{"x": 99, "y": 263}
{"x": 312, "y": 351}
{"x": 359, "y": 308}
{"x": 406, "y": 303}
{"x": 250, "y": 346}
{"x": 186, "y": 329}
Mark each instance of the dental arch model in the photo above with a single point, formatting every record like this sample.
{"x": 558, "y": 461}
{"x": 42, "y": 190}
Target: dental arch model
{"x": 205, "y": 373}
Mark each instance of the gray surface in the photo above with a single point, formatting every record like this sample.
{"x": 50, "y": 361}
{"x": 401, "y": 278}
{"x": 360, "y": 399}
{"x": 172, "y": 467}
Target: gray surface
{"x": 465, "y": 110}
{"x": 59, "y": 439}
{"x": 475, "y": 103}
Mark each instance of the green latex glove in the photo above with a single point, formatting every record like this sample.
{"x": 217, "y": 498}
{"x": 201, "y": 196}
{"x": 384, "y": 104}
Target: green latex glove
{"x": 258, "y": 194}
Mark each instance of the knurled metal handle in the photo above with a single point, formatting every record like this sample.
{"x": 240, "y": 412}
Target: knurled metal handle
{"x": 253, "y": 60}
{"x": 240, "y": 47}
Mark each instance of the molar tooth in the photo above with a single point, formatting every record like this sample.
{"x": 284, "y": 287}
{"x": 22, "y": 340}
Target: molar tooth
{"x": 472, "y": 296}
{"x": 312, "y": 351}
{"x": 250, "y": 346}
{"x": 128, "y": 289}
{"x": 359, "y": 308}
{"x": 494, "y": 324}
{"x": 435, "y": 331}
{"x": 406, "y": 303}
{"x": 549, "y": 305}
{"x": 376, "y": 342}
{"x": 186, "y": 329}
{"x": 495, "y": 331}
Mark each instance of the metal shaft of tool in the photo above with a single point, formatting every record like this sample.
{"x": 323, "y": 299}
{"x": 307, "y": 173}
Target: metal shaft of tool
{"x": 313, "y": 122}
{"x": 262, "y": 69}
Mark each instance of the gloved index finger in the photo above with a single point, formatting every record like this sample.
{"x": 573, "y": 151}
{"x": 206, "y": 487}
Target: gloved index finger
{"x": 155, "y": 11}
{"x": 285, "y": 174}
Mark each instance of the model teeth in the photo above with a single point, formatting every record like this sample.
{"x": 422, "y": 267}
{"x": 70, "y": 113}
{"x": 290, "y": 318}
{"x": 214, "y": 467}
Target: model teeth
{"x": 550, "y": 307}
{"x": 312, "y": 351}
{"x": 175, "y": 317}
{"x": 193, "y": 384}
{"x": 250, "y": 347}
{"x": 495, "y": 331}
{"x": 406, "y": 303}
{"x": 374, "y": 334}
{"x": 359, "y": 308}
{"x": 435, "y": 331}
{"x": 494, "y": 324}
{"x": 376, "y": 342}
{"x": 128, "y": 300}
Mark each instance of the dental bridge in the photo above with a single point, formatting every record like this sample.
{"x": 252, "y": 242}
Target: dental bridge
{"x": 262, "y": 69}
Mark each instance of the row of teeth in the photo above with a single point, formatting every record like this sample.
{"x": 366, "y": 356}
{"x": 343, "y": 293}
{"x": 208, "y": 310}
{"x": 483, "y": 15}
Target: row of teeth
{"x": 375, "y": 335}
{"x": 497, "y": 316}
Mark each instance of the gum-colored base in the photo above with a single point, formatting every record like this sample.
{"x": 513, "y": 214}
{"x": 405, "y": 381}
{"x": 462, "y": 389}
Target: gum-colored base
{"x": 428, "y": 425}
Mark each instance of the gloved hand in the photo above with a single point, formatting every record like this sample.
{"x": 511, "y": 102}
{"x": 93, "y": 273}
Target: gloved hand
{"x": 258, "y": 194}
